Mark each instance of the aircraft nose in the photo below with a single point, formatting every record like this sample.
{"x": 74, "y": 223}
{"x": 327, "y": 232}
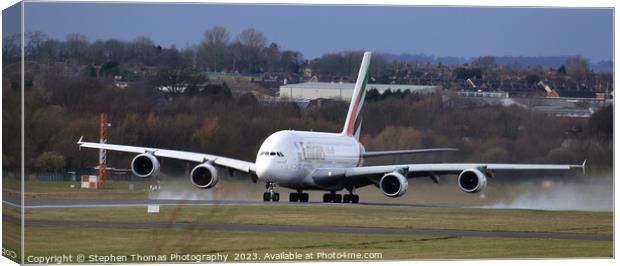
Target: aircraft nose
{"x": 264, "y": 169}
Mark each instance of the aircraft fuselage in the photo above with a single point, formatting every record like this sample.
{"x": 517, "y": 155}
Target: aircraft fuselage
{"x": 289, "y": 158}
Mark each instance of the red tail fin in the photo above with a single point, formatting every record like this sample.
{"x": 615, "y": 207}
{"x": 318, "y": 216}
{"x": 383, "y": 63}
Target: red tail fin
{"x": 357, "y": 100}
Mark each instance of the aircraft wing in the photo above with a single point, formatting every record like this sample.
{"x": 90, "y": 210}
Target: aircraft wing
{"x": 453, "y": 168}
{"x": 239, "y": 165}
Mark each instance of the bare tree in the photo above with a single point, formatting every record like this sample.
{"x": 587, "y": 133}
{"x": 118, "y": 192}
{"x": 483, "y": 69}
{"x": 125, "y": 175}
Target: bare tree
{"x": 216, "y": 36}
{"x": 34, "y": 42}
{"x": 577, "y": 68}
{"x": 291, "y": 61}
{"x": 273, "y": 57}
{"x": 213, "y": 49}
{"x": 484, "y": 63}
{"x": 252, "y": 38}
{"x": 252, "y": 43}
{"x": 11, "y": 46}
{"x": 144, "y": 50}
{"x": 76, "y": 45}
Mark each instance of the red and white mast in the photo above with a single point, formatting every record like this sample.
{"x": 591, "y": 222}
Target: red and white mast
{"x": 103, "y": 138}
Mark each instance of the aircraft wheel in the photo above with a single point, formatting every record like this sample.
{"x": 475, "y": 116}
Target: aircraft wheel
{"x": 337, "y": 198}
{"x": 327, "y": 197}
{"x": 303, "y": 197}
{"x": 276, "y": 197}
{"x": 355, "y": 198}
{"x": 293, "y": 197}
{"x": 266, "y": 196}
{"x": 346, "y": 198}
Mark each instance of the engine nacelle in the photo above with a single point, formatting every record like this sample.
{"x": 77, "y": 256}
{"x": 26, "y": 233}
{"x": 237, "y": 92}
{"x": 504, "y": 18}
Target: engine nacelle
{"x": 204, "y": 176}
{"x": 393, "y": 184}
{"x": 472, "y": 181}
{"x": 145, "y": 165}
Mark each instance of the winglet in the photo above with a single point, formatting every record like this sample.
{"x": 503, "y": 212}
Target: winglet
{"x": 583, "y": 166}
{"x": 80, "y": 142}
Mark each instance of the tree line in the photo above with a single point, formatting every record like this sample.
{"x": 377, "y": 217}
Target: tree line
{"x": 64, "y": 102}
{"x": 60, "y": 109}
{"x": 249, "y": 52}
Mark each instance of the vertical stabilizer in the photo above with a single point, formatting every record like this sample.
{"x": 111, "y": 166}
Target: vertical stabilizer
{"x": 357, "y": 100}
{"x": 358, "y": 131}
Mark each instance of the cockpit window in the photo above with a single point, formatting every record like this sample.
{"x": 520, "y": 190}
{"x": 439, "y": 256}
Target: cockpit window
{"x": 273, "y": 153}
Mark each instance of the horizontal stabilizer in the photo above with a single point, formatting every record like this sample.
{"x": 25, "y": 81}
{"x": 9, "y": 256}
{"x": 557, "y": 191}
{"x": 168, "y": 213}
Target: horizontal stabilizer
{"x": 401, "y": 152}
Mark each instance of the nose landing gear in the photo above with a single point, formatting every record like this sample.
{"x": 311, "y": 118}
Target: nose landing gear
{"x": 271, "y": 195}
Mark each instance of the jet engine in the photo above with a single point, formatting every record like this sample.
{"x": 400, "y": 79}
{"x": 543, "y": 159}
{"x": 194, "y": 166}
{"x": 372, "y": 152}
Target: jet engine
{"x": 472, "y": 181}
{"x": 145, "y": 165}
{"x": 393, "y": 184}
{"x": 204, "y": 176}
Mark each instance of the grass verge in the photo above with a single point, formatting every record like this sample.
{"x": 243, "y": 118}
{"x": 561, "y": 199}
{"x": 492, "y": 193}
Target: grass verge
{"x": 351, "y": 215}
{"x": 124, "y": 242}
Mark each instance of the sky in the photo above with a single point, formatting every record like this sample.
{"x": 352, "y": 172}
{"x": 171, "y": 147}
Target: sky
{"x": 315, "y": 30}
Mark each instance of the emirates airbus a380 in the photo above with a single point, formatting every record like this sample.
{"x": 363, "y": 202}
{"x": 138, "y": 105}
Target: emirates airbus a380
{"x": 331, "y": 162}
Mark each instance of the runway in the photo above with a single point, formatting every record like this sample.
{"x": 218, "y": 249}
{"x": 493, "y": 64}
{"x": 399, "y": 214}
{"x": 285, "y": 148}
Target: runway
{"x": 39, "y": 203}
{"x": 309, "y": 229}
{"x": 43, "y": 204}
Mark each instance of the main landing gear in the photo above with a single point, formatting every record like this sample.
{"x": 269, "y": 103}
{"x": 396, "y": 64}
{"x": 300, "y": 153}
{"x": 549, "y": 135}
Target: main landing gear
{"x": 351, "y": 198}
{"x": 298, "y": 196}
{"x": 271, "y": 195}
{"x": 338, "y": 198}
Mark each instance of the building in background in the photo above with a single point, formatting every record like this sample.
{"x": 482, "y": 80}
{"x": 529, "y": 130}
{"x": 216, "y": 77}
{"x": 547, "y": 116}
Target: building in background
{"x": 342, "y": 91}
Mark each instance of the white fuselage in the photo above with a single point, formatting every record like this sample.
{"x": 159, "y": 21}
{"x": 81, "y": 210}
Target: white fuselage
{"x": 289, "y": 158}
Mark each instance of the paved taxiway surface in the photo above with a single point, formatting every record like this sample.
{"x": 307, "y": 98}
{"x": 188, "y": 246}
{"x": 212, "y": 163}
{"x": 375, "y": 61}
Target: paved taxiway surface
{"x": 42, "y": 204}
